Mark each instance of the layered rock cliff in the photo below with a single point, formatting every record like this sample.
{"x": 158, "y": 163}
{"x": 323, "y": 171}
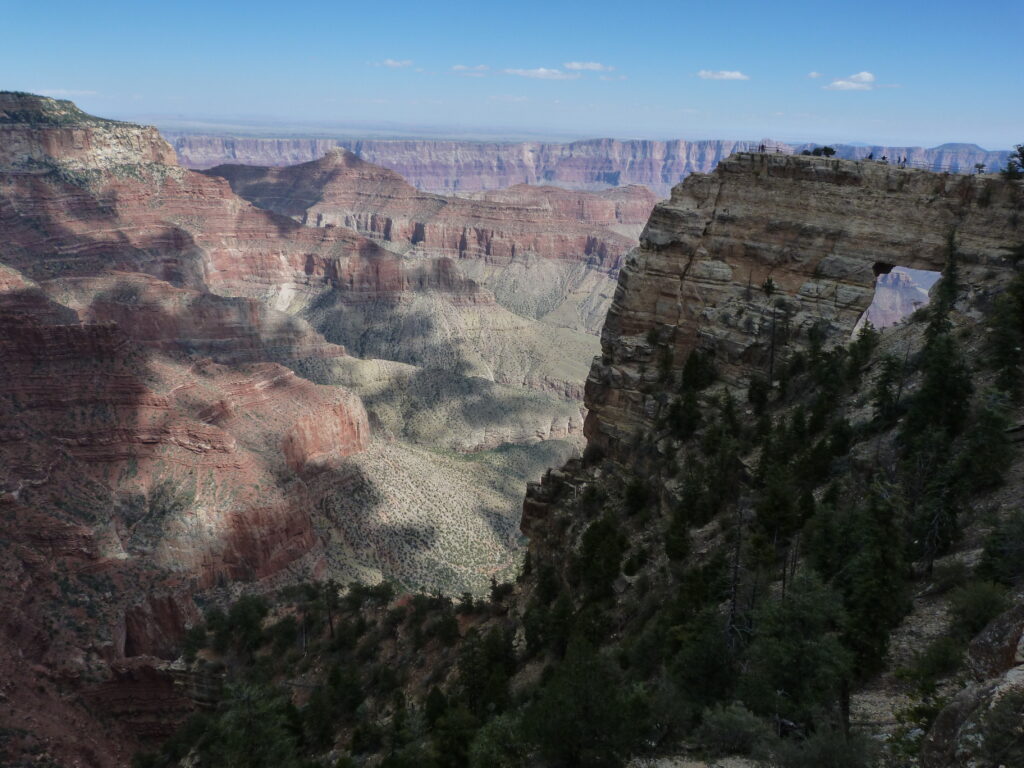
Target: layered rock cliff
{"x": 453, "y": 166}
{"x": 545, "y": 253}
{"x": 743, "y": 263}
{"x": 755, "y": 272}
{"x": 172, "y": 425}
{"x": 340, "y": 189}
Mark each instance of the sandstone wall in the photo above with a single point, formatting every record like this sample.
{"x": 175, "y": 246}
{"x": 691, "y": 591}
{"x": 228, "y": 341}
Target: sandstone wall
{"x": 819, "y": 229}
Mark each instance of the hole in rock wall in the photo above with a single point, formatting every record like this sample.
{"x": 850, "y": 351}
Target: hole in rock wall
{"x": 899, "y": 291}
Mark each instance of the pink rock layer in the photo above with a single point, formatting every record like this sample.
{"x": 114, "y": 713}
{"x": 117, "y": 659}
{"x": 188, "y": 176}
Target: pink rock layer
{"x": 339, "y": 189}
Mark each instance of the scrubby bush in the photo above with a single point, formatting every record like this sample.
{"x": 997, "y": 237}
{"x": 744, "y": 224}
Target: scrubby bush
{"x": 974, "y": 605}
{"x": 940, "y": 658}
{"x": 732, "y": 730}
{"x": 827, "y": 748}
{"x": 1003, "y": 558}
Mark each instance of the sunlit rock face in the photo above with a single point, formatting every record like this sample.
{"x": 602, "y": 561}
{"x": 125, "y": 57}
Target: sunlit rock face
{"x": 543, "y": 252}
{"x": 152, "y": 445}
{"x": 177, "y": 419}
{"x": 743, "y": 262}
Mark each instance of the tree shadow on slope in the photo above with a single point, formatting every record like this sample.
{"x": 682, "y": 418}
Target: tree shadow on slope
{"x": 365, "y": 531}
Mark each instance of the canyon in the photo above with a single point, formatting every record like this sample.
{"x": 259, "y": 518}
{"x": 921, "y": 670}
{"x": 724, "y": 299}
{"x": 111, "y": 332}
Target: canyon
{"x": 227, "y": 382}
{"x": 459, "y": 167}
{"x": 745, "y": 499}
{"x": 180, "y": 420}
{"x": 544, "y": 253}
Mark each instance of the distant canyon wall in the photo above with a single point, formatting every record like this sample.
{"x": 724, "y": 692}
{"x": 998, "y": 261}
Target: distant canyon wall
{"x": 466, "y": 166}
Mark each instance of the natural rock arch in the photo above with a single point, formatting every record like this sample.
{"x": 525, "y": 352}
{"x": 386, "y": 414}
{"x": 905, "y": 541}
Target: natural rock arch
{"x": 770, "y": 239}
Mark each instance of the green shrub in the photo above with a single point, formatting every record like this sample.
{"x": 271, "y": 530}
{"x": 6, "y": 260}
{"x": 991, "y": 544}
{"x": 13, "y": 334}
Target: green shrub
{"x": 195, "y": 640}
{"x": 699, "y": 372}
{"x": 940, "y": 658}
{"x": 732, "y": 730}
{"x": 600, "y": 556}
{"x": 498, "y": 745}
{"x": 1003, "y": 558}
{"x": 974, "y": 605}
{"x": 827, "y": 748}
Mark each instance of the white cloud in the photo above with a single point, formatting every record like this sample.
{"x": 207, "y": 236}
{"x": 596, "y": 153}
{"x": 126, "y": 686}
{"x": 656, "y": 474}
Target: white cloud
{"x": 814, "y": 75}
{"x": 396, "y": 63}
{"x": 861, "y": 81}
{"x": 60, "y": 93}
{"x": 480, "y": 70}
{"x": 542, "y": 73}
{"x": 612, "y": 78}
{"x": 587, "y": 66}
{"x": 721, "y": 74}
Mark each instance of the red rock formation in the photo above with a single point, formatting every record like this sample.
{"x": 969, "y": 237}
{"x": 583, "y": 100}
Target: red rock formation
{"x": 342, "y": 190}
{"x": 149, "y": 446}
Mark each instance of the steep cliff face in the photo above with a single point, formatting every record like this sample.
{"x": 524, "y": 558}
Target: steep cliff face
{"x": 744, "y": 262}
{"x": 342, "y": 190}
{"x": 794, "y": 244}
{"x": 453, "y": 166}
{"x": 545, "y": 253}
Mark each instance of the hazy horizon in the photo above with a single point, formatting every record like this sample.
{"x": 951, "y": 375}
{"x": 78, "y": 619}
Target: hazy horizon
{"x": 256, "y": 127}
{"x": 890, "y": 74}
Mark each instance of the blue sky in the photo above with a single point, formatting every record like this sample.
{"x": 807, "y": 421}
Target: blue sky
{"x": 905, "y": 71}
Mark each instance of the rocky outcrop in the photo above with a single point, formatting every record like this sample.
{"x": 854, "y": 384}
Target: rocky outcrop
{"x": 453, "y": 166}
{"x": 996, "y": 663}
{"x": 342, "y": 190}
{"x": 39, "y": 133}
{"x": 544, "y": 253}
{"x": 744, "y": 262}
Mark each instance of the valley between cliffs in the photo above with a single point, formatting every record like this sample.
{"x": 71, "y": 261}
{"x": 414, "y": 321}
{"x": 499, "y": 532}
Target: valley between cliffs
{"x": 182, "y": 417}
{"x": 246, "y": 386}
{"x": 784, "y": 545}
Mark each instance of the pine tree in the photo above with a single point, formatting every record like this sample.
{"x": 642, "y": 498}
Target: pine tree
{"x": 796, "y": 664}
{"x": 583, "y": 716}
{"x": 884, "y": 393}
{"x": 871, "y": 577}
